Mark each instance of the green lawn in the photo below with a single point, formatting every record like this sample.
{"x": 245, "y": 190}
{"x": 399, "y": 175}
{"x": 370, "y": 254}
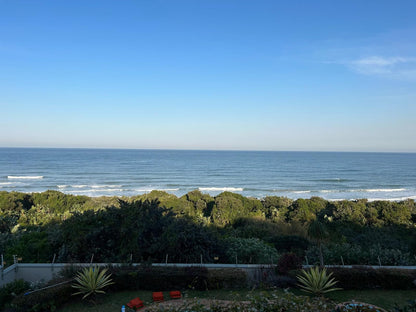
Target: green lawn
{"x": 382, "y": 298}
{"x": 113, "y": 301}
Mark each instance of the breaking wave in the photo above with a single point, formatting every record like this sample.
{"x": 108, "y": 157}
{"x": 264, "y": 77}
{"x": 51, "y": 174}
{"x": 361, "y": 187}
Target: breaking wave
{"x": 157, "y": 189}
{"x": 383, "y": 190}
{"x": 221, "y": 189}
{"x": 25, "y": 177}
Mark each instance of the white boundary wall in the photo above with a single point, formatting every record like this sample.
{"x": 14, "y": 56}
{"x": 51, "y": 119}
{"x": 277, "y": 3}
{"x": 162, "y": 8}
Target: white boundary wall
{"x": 44, "y": 272}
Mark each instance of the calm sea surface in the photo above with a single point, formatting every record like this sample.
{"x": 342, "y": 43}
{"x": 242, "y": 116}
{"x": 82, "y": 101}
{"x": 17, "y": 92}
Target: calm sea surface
{"x": 97, "y": 172}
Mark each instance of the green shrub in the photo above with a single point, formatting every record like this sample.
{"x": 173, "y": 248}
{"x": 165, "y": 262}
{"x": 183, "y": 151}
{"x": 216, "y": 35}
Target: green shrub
{"x": 317, "y": 281}
{"x": 305, "y": 210}
{"x": 45, "y": 300}
{"x": 369, "y": 278}
{"x": 226, "y": 279}
{"x": 290, "y": 243}
{"x": 230, "y": 206}
{"x": 353, "y": 254}
{"x": 276, "y": 207}
{"x": 168, "y": 278}
{"x": 159, "y": 278}
{"x": 57, "y": 201}
{"x": 11, "y": 290}
{"x": 249, "y": 250}
{"x": 91, "y": 281}
{"x": 249, "y": 227}
{"x": 10, "y": 201}
{"x": 288, "y": 262}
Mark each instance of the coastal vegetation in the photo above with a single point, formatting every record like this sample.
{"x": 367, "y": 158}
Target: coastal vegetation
{"x": 227, "y": 228}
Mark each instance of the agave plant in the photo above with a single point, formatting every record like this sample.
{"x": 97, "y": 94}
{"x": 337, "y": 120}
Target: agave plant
{"x": 316, "y": 281}
{"x": 91, "y": 281}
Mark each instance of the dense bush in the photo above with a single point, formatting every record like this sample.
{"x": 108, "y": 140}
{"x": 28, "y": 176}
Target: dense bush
{"x": 230, "y": 206}
{"x": 158, "y": 278}
{"x": 353, "y": 254}
{"x": 150, "y": 226}
{"x": 369, "y": 278}
{"x": 57, "y": 201}
{"x": 31, "y": 247}
{"x": 12, "y": 201}
{"x": 305, "y": 210}
{"x": 349, "y": 211}
{"x": 255, "y": 227}
{"x": 11, "y": 290}
{"x": 45, "y": 300}
{"x": 290, "y": 243}
{"x": 147, "y": 277}
{"x": 276, "y": 207}
{"x": 289, "y": 262}
{"x": 226, "y": 279}
{"x": 249, "y": 250}
{"x": 202, "y": 205}
{"x": 138, "y": 230}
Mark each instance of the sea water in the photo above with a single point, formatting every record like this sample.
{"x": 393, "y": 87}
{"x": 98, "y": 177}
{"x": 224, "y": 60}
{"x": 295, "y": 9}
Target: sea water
{"x": 113, "y": 172}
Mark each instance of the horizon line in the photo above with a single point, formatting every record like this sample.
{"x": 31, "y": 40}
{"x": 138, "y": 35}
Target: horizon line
{"x": 209, "y": 150}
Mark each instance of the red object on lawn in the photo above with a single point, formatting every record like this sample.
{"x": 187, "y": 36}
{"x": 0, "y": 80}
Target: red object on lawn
{"x": 175, "y": 294}
{"x": 135, "y": 304}
{"x": 158, "y": 296}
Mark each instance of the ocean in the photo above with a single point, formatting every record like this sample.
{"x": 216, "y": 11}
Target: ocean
{"x": 113, "y": 172}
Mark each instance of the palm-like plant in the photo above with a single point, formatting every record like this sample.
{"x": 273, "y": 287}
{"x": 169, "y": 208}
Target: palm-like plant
{"x": 91, "y": 281}
{"x": 316, "y": 281}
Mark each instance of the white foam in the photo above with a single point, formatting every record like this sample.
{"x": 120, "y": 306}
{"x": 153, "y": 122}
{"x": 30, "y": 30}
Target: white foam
{"x": 25, "y": 177}
{"x": 223, "y": 189}
{"x": 157, "y": 189}
{"x": 145, "y": 190}
{"x": 383, "y": 190}
{"x": 79, "y": 186}
{"x": 301, "y": 192}
{"x": 62, "y": 186}
{"x": 363, "y": 190}
{"x": 95, "y": 191}
{"x": 104, "y": 186}
{"x": 396, "y": 199}
{"x": 6, "y": 183}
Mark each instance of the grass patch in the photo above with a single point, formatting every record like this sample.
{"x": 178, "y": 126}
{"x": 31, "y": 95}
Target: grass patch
{"x": 383, "y": 298}
{"x": 113, "y": 301}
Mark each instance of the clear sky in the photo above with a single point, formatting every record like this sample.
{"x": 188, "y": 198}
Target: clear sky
{"x": 209, "y": 74}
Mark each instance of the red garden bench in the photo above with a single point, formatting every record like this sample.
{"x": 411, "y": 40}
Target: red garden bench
{"x": 135, "y": 304}
{"x": 175, "y": 294}
{"x": 157, "y": 296}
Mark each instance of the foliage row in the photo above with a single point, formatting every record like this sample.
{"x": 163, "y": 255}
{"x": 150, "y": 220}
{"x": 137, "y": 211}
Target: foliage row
{"x": 228, "y": 228}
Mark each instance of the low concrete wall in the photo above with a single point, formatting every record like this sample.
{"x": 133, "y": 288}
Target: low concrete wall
{"x": 35, "y": 272}
{"x": 44, "y": 272}
{"x": 7, "y": 275}
{"x": 256, "y": 273}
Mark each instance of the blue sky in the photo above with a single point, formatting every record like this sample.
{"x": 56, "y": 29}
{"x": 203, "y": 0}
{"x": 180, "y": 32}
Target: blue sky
{"x": 245, "y": 75}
